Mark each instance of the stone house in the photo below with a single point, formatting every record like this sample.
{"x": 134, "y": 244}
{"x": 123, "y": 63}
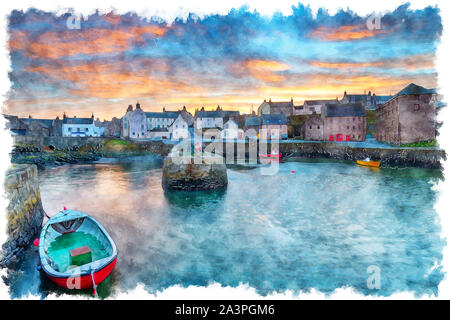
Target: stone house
{"x": 370, "y": 101}
{"x": 134, "y": 123}
{"x": 179, "y": 129}
{"x": 283, "y": 107}
{"x": 34, "y": 127}
{"x": 273, "y": 126}
{"x": 344, "y": 122}
{"x": 80, "y": 127}
{"x": 410, "y": 116}
{"x": 314, "y": 128}
{"x": 312, "y": 106}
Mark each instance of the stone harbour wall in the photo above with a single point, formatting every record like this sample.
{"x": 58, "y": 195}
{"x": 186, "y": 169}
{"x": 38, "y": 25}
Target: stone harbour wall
{"x": 193, "y": 177}
{"x": 24, "y": 213}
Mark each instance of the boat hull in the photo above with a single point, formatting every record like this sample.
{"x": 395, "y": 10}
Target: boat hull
{"x": 375, "y": 164}
{"x": 84, "y": 281}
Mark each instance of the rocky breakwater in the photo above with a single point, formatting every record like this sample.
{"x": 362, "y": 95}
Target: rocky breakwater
{"x": 207, "y": 173}
{"x": 24, "y": 213}
{"x": 390, "y": 157}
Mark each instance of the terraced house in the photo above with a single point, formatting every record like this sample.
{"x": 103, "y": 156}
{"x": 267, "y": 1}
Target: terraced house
{"x": 410, "y": 116}
{"x": 344, "y": 122}
{"x": 80, "y": 127}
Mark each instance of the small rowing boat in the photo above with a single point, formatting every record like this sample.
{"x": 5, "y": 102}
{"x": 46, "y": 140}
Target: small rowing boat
{"x": 368, "y": 163}
{"x": 75, "y": 250}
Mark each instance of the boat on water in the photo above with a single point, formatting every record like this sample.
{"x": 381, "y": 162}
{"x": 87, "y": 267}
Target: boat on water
{"x": 75, "y": 250}
{"x": 368, "y": 163}
{"x": 274, "y": 156}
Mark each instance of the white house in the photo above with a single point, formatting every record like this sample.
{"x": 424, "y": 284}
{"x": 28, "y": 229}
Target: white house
{"x": 179, "y": 129}
{"x": 231, "y": 130}
{"x": 160, "y": 120}
{"x": 80, "y": 127}
{"x": 208, "y": 119}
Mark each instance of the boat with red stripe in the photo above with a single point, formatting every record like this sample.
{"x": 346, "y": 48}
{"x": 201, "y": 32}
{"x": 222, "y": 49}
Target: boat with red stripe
{"x": 75, "y": 250}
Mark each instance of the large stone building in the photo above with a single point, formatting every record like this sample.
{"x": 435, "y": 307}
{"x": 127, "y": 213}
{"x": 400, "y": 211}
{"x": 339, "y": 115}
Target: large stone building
{"x": 160, "y": 120}
{"x": 344, "y": 122}
{"x": 410, "y": 116}
{"x": 284, "y": 107}
{"x": 134, "y": 123}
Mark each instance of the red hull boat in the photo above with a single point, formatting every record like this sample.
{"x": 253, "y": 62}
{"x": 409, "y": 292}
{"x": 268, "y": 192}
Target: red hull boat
{"x": 270, "y": 157}
{"x": 75, "y": 251}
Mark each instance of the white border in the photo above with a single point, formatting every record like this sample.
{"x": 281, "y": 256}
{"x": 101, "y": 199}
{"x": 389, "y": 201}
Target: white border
{"x": 169, "y": 9}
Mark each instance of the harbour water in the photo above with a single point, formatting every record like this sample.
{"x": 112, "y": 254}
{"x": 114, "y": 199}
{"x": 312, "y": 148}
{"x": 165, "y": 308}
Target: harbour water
{"x": 313, "y": 225}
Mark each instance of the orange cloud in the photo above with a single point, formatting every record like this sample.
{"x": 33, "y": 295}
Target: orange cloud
{"x": 53, "y": 45}
{"x": 264, "y": 70}
{"x": 416, "y": 62}
{"x": 344, "y": 33}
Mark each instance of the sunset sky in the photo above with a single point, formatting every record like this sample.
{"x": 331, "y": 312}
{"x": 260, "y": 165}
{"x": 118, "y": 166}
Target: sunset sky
{"x": 235, "y": 60}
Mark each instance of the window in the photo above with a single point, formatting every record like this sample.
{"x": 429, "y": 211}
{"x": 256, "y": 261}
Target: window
{"x": 353, "y": 128}
{"x": 318, "y": 127}
{"x": 416, "y": 107}
{"x": 86, "y": 129}
{"x": 310, "y": 127}
{"x": 142, "y": 127}
{"x": 70, "y": 129}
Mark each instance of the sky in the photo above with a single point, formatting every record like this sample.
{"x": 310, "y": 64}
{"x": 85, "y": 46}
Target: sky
{"x": 237, "y": 60}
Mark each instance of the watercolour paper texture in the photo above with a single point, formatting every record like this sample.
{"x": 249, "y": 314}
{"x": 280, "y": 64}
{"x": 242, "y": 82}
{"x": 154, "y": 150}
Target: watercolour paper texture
{"x": 224, "y": 151}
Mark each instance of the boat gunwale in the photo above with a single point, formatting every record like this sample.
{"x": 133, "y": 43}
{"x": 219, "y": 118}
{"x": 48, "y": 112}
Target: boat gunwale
{"x": 94, "y": 266}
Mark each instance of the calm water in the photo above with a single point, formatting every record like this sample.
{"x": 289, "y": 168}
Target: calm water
{"x": 320, "y": 227}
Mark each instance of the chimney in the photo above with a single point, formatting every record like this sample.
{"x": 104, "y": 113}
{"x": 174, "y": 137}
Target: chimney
{"x": 265, "y": 100}
{"x": 292, "y": 100}
{"x": 164, "y": 109}
{"x": 270, "y": 100}
{"x": 64, "y": 115}
{"x": 29, "y": 116}
{"x": 138, "y": 106}
{"x": 92, "y": 115}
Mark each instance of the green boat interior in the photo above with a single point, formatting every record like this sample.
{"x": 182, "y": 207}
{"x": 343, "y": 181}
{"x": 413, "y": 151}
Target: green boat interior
{"x": 73, "y": 243}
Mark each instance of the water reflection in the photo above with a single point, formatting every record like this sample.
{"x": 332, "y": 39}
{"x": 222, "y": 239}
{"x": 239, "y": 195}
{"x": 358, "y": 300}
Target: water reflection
{"x": 315, "y": 224}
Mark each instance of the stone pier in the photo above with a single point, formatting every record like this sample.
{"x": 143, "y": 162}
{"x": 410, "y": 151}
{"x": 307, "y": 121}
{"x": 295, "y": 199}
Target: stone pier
{"x": 24, "y": 213}
{"x": 193, "y": 176}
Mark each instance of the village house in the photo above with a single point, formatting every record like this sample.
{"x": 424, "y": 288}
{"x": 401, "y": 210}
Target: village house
{"x": 179, "y": 129}
{"x": 342, "y": 122}
{"x": 134, "y": 123}
{"x": 80, "y": 127}
{"x": 284, "y": 107}
{"x": 314, "y": 128}
{"x": 410, "y": 116}
{"x": 370, "y": 101}
{"x": 208, "y": 119}
{"x": 273, "y": 126}
{"x": 231, "y": 130}
{"x": 251, "y": 127}
{"x": 312, "y": 106}
{"x": 160, "y": 120}
{"x": 34, "y": 127}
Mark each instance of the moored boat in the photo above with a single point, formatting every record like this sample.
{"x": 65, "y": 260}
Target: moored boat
{"x": 369, "y": 163}
{"x": 75, "y": 250}
{"x": 270, "y": 156}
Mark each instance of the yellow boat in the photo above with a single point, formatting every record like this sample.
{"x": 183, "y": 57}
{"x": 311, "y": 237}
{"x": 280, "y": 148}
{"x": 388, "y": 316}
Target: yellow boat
{"x": 368, "y": 163}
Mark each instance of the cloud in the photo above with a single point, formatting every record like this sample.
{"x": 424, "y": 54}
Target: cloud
{"x": 345, "y": 33}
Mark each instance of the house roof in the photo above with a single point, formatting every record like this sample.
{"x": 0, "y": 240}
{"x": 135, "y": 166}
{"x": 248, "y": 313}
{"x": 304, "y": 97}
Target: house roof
{"x": 210, "y": 114}
{"x": 230, "y": 113}
{"x": 273, "y": 119}
{"x": 78, "y": 120}
{"x": 315, "y": 102}
{"x": 281, "y": 104}
{"x": 413, "y": 88}
{"x": 252, "y": 121}
{"x": 344, "y": 110}
{"x": 44, "y": 122}
{"x": 162, "y": 115}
